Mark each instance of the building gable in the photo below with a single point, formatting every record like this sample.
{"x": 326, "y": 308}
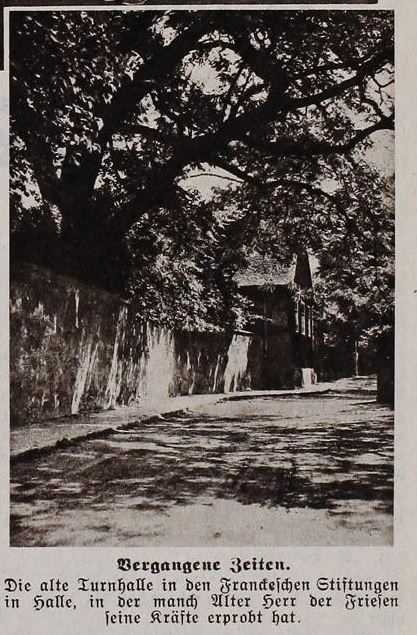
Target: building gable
{"x": 266, "y": 271}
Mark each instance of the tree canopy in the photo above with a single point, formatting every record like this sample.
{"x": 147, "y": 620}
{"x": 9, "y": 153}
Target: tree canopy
{"x": 112, "y": 113}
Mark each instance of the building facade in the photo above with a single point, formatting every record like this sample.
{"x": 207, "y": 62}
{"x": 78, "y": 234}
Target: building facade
{"x": 283, "y": 315}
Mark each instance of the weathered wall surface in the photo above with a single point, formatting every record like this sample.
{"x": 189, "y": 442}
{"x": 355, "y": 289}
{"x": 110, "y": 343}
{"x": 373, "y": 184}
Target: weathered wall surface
{"x": 279, "y": 371}
{"x": 77, "y": 349}
{"x": 211, "y": 362}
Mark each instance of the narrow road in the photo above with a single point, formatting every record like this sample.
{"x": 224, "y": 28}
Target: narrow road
{"x": 295, "y": 470}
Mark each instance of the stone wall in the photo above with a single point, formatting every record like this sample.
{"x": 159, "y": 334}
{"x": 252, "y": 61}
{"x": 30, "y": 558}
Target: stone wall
{"x": 77, "y": 349}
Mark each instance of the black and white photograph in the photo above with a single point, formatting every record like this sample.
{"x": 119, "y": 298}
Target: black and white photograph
{"x": 201, "y": 277}
{"x": 110, "y": 3}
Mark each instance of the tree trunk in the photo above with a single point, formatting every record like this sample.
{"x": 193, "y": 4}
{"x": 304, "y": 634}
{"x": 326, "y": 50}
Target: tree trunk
{"x": 385, "y": 361}
{"x": 92, "y": 248}
{"x": 355, "y": 359}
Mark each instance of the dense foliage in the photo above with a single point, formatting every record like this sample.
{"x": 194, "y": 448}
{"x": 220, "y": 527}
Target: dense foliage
{"x": 113, "y": 112}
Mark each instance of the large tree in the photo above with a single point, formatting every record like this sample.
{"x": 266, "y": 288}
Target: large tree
{"x": 111, "y": 111}
{"x": 348, "y": 225}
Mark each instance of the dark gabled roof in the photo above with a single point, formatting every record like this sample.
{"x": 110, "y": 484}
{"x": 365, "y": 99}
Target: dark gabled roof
{"x": 265, "y": 271}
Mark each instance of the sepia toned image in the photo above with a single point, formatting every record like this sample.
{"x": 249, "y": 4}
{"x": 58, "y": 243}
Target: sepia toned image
{"x": 201, "y": 278}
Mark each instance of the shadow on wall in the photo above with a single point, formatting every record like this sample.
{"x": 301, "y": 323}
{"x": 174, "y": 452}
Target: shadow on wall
{"x": 77, "y": 349}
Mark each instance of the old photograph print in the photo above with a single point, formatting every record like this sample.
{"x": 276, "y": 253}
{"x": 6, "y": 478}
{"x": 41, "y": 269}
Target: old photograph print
{"x": 107, "y": 3}
{"x": 202, "y": 278}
